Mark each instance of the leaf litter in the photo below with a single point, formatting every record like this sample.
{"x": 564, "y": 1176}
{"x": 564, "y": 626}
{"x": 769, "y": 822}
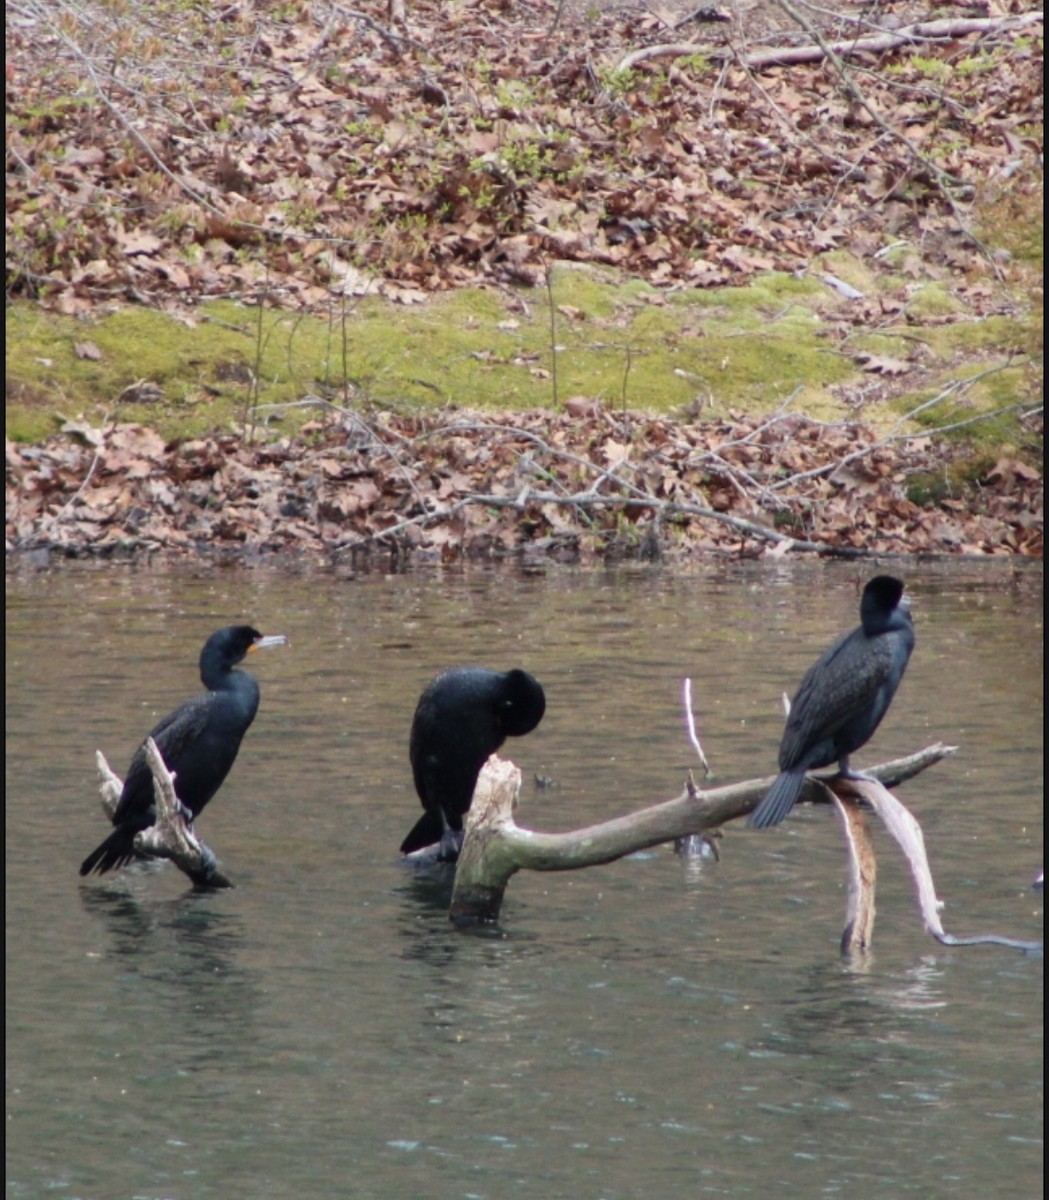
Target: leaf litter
{"x": 168, "y": 153}
{"x": 601, "y": 487}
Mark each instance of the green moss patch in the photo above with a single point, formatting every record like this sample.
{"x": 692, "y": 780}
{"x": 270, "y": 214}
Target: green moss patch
{"x": 625, "y": 343}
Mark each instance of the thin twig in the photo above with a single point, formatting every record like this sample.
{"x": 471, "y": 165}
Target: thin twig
{"x": 690, "y": 724}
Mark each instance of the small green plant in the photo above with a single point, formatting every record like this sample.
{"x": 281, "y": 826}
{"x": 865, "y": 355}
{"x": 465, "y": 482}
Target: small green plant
{"x": 618, "y": 81}
{"x": 932, "y": 68}
{"x": 979, "y": 64}
{"x": 514, "y": 94}
{"x": 179, "y": 218}
{"x": 301, "y": 212}
{"x": 526, "y": 160}
{"x": 484, "y": 198}
{"x": 699, "y": 63}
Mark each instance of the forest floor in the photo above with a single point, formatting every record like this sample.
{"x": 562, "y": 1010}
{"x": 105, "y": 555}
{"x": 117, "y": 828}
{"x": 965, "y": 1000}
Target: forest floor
{"x": 629, "y": 281}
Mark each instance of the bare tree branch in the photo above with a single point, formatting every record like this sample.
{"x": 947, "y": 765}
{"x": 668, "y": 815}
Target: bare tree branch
{"x": 172, "y": 834}
{"x": 495, "y": 848}
{"x": 863, "y": 874}
{"x": 904, "y": 828}
{"x": 785, "y": 56}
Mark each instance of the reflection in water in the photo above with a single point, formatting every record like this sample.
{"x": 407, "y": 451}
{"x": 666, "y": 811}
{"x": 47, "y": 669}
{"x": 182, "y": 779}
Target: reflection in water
{"x": 427, "y": 934}
{"x": 430, "y": 887}
{"x": 920, "y": 989}
{"x": 179, "y": 962}
{"x": 838, "y": 1013}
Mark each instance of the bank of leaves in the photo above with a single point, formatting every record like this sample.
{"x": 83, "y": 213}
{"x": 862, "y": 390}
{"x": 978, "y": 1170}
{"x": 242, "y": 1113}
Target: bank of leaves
{"x": 170, "y": 152}
{"x": 173, "y": 151}
{"x": 585, "y": 485}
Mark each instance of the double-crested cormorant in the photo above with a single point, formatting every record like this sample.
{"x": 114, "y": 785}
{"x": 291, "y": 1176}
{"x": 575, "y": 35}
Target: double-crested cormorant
{"x": 843, "y": 696}
{"x": 462, "y": 717}
{"x": 198, "y": 743}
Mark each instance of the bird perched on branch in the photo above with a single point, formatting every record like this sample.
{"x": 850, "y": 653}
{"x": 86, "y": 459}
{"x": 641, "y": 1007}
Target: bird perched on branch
{"x": 843, "y": 696}
{"x": 462, "y": 717}
{"x": 198, "y": 743}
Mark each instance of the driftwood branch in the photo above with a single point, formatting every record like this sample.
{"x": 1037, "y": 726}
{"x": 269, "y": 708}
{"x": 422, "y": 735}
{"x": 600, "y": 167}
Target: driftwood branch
{"x": 910, "y": 37}
{"x": 495, "y": 847}
{"x": 906, "y": 831}
{"x": 172, "y": 835}
{"x": 863, "y": 875}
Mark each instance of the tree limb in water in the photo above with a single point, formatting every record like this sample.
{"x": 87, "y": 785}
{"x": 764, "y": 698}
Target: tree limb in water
{"x": 495, "y": 848}
{"x": 172, "y": 835}
{"x": 905, "y": 830}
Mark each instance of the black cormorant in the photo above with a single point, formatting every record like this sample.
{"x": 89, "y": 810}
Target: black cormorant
{"x": 462, "y": 717}
{"x": 198, "y": 743}
{"x": 843, "y": 696}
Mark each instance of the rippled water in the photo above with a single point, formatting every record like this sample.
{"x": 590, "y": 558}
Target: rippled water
{"x": 650, "y": 1029}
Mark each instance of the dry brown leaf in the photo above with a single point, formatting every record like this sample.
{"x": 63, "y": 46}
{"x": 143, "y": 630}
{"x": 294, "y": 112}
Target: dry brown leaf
{"x": 880, "y": 364}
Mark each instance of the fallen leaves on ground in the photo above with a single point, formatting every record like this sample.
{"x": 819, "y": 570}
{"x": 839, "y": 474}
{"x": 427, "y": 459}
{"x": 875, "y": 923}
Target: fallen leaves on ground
{"x": 312, "y": 151}
{"x": 599, "y": 486}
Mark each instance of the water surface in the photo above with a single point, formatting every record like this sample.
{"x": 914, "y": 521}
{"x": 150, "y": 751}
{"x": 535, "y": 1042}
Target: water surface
{"x": 650, "y": 1029}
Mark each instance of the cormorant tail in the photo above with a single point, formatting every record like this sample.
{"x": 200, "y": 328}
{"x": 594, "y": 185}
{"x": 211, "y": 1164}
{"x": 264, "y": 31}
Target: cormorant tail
{"x": 427, "y": 831}
{"x": 116, "y": 851}
{"x": 780, "y": 799}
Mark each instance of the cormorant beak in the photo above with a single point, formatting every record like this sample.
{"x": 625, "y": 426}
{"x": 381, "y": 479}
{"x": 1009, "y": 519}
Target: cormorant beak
{"x": 264, "y": 643}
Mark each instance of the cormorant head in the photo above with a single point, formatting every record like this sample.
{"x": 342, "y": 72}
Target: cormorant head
{"x": 227, "y": 647}
{"x": 523, "y": 703}
{"x": 883, "y": 604}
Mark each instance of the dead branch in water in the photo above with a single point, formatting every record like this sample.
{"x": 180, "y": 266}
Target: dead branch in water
{"x": 495, "y": 848}
{"x": 172, "y": 835}
{"x": 904, "y": 828}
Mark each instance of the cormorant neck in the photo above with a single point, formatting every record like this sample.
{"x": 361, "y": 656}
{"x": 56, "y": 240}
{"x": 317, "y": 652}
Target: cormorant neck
{"x": 219, "y": 676}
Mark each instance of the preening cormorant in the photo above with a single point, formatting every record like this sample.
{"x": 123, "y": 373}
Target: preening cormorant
{"x": 198, "y": 743}
{"x": 843, "y": 696}
{"x": 462, "y": 717}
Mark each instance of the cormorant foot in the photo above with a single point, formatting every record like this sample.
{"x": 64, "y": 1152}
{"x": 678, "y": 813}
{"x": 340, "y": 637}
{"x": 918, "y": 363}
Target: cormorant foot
{"x": 859, "y": 776}
{"x": 451, "y": 844}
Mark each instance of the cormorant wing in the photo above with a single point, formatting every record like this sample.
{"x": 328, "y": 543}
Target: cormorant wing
{"x": 843, "y": 687}
{"x": 172, "y": 735}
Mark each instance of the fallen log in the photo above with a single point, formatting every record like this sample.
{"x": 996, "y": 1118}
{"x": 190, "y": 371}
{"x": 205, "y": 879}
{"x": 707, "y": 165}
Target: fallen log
{"x": 910, "y": 37}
